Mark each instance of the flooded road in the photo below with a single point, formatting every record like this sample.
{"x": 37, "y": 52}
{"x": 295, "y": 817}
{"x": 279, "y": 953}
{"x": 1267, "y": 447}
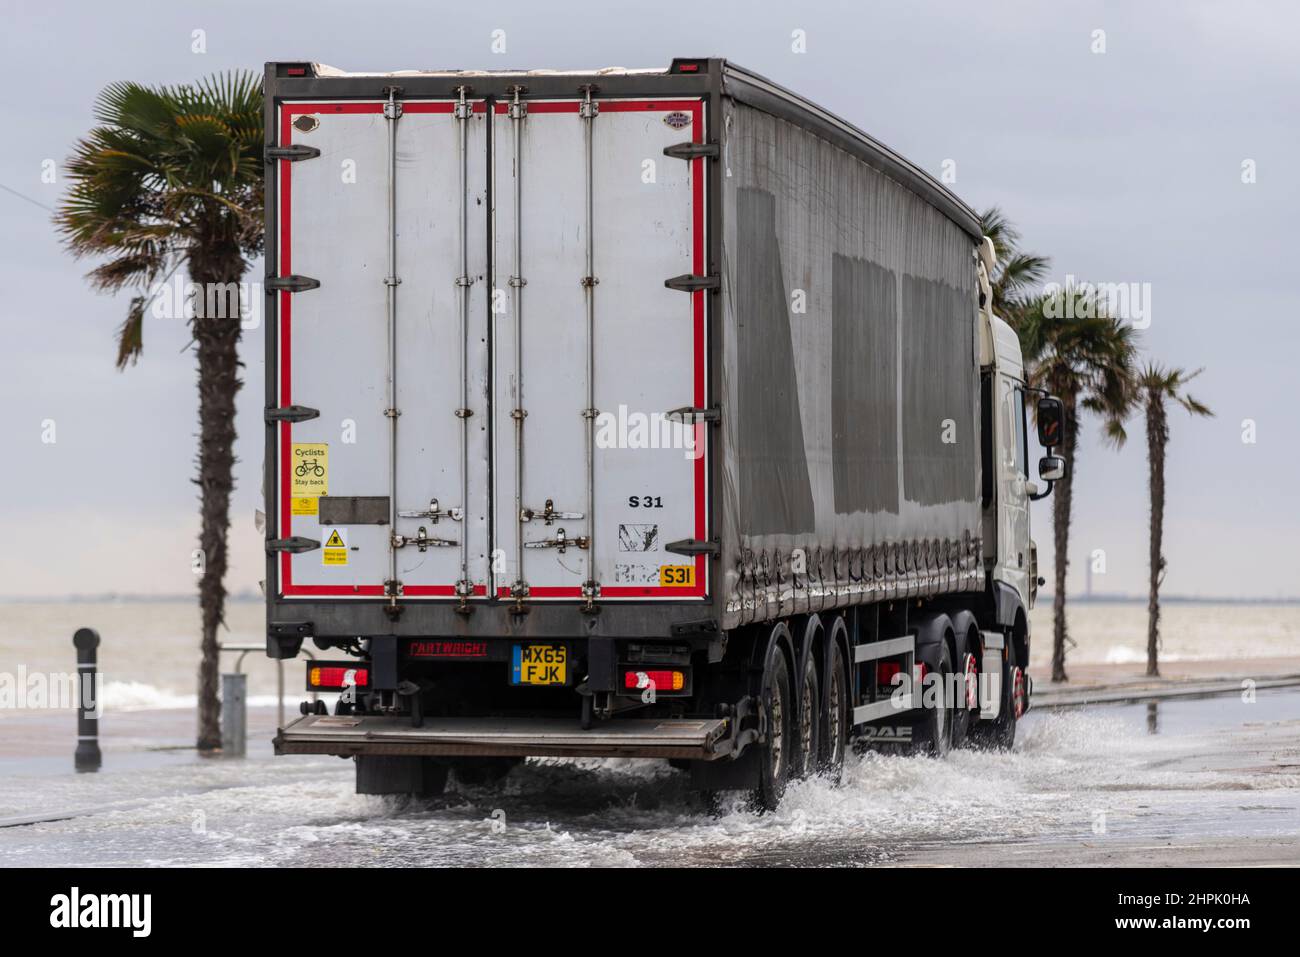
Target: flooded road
{"x": 1192, "y": 781}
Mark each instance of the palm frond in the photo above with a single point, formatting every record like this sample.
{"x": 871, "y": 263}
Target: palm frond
{"x": 166, "y": 172}
{"x": 130, "y": 335}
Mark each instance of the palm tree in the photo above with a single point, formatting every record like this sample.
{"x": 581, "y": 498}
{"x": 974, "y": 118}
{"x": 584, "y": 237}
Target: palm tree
{"x": 1157, "y": 386}
{"x": 172, "y": 175}
{"x": 1088, "y": 363}
{"x": 1017, "y": 275}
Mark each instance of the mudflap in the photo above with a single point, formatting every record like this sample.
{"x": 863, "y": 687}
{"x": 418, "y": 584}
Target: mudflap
{"x": 739, "y": 774}
{"x": 391, "y": 774}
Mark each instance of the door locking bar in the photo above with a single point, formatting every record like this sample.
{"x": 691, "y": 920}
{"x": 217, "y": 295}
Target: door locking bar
{"x": 589, "y": 111}
{"x": 560, "y": 542}
{"x": 392, "y": 115}
{"x": 548, "y": 514}
{"x": 464, "y": 113}
{"x": 519, "y": 110}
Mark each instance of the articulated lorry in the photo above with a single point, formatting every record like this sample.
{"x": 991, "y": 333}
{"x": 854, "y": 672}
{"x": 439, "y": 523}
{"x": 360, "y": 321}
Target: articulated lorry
{"x": 654, "y": 413}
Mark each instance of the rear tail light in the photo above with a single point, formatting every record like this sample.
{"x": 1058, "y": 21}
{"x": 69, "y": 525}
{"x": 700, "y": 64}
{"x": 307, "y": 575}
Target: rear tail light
{"x": 335, "y": 676}
{"x": 659, "y": 680}
{"x": 885, "y": 672}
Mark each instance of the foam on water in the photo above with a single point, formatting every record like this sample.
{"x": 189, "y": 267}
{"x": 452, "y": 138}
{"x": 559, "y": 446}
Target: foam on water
{"x": 1068, "y": 771}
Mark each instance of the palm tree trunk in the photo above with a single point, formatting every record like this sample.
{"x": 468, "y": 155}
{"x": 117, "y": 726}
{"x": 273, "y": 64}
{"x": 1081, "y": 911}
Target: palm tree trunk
{"x": 1157, "y": 437}
{"x": 217, "y": 340}
{"x": 1062, "y": 501}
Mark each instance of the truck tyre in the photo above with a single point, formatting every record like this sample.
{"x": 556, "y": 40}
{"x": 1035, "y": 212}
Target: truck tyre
{"x": 835, "y": 728}
{"x": 932, "y": 734}
{"x": 1000, "y": 733}
{"x": 777, "y": 751}
{"x": 966, "y": 710}
{"x": 810, "y": 718}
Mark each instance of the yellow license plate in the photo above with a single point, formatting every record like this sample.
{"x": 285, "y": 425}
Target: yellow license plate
{"x": 676, "y": 576}
{"x": 539, "y": 665}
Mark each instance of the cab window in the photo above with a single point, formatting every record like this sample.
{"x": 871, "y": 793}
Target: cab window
{"x": 1022, "y": 448}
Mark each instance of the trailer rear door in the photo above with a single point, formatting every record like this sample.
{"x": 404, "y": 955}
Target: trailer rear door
{"x": 492, "y": 350}
{"x": 397, "y": 394}
{"x": 594, "y": 353}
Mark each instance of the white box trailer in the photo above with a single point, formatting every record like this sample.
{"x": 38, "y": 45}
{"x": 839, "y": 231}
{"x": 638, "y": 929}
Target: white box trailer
{"x": 580, "y": 378}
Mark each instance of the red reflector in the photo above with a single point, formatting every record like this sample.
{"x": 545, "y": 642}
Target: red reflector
{"x": 296, "y": 71}
{"x": 660, "y": 680}
{"x": 885, "y": 671}
{"x": 689, "y": 68}
{"x": 329, "y": 676}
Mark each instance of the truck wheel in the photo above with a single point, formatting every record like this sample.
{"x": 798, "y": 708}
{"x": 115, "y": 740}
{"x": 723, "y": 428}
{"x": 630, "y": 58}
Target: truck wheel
{"x": 966, "y": 711}
{"x": 776, "y": 752}
{"x": 810, "y": 719}
{"x": 1000, "y": 733}
{"x": 932, "y": 734}
{"x": 835, "y": 734}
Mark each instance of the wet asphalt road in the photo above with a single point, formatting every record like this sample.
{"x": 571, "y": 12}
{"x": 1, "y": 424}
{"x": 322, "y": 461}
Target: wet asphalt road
{"x": 1207, "y": 781}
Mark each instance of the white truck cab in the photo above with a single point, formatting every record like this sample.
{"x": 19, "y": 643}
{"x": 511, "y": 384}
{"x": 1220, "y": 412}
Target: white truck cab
{"x": 1008, "y": 489}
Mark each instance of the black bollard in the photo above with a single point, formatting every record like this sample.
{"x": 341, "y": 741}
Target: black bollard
{"x": 88, "y": 756}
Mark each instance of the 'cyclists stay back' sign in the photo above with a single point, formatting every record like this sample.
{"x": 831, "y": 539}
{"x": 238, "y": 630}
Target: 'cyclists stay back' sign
{"x": 310, "y": 466}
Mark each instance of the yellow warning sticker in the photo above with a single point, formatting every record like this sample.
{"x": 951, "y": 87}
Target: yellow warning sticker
{"x": 335, "y": 549}
{"x": 310, "y": 465}
{"x": 676, "y": 576}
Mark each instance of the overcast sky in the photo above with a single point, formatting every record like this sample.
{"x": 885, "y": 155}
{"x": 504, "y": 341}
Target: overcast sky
{"x": 1123, "y": 166}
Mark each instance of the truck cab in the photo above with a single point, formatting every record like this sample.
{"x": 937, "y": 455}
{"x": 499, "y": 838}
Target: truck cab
{"x": 1006, "y": 401}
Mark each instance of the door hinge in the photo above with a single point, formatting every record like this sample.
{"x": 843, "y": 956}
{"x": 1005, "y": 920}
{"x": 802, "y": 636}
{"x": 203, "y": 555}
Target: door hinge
{"x": 294, "y": 544}
{"x": 694, "y": 546}
{"x": 294, "y": 153}
{"x": 692, "y": 283}
{"x": 290, "y": 413}
{"x": 692, "y": 414}
{"x": 290, "y": 283}
{"x": 690, "y": 151}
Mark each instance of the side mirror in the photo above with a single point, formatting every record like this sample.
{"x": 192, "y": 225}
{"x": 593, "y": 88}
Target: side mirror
{"x": 1051, "y": 421}
{"x": 1051, "y": 468}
